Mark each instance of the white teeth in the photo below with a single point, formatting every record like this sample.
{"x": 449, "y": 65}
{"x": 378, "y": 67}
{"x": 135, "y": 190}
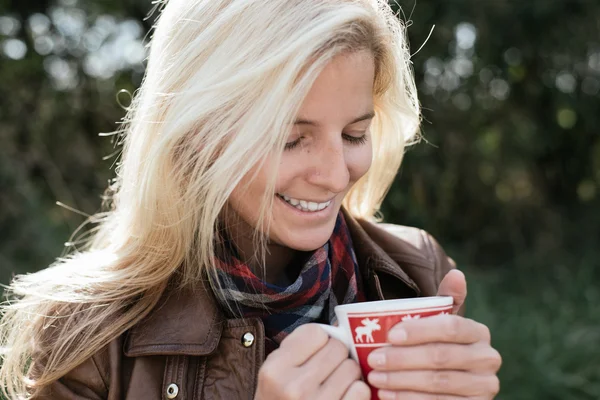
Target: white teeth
{"x": 304, "y": 205}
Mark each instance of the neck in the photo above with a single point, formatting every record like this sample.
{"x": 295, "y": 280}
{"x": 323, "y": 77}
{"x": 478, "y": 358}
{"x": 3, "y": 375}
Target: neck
{"x": 277, "y": 258}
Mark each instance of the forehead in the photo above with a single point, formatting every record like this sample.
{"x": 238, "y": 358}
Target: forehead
{"x": 343, "y": 91}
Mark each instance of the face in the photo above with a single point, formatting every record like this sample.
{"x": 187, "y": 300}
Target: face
{"x": 328, "y": 151}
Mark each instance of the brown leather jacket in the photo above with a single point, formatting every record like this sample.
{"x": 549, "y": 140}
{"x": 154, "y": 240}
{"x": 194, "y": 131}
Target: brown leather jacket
{"x": 186, "y": 349}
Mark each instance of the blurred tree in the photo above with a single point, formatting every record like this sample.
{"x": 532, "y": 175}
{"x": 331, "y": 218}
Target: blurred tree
{"x": 61, "y": 66}
{"x": 510, "y": 92}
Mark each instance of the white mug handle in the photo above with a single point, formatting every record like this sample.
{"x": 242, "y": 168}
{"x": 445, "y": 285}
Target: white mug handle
{"x": 337, "y": 333}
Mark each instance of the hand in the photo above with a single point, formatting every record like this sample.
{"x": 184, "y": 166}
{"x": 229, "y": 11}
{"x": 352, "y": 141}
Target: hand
{"x": 310, "y": 365}
{"x": 442, "y": 357}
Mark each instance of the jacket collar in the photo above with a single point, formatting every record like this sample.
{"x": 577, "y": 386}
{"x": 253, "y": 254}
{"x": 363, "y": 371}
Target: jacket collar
{"x": 373, "y": 246}
{"x": 189, "y": 321}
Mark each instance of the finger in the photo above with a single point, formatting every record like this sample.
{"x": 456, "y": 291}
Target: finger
{"x": 301, "y": 344}
{"x": 358, "y": 390}
{"x": 439, "y": 328}
{"x": 323, "y": 363}
{"x": 478, "y": 357}
{"x": 454, "y": 284}
{"x": 340, "y": 380}
{"x": 404, "y": 395}
{"x": 456, "y": 383}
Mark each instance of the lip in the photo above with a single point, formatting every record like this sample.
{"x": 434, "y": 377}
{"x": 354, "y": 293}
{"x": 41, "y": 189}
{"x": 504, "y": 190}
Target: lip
{"x": 309, "y": 214}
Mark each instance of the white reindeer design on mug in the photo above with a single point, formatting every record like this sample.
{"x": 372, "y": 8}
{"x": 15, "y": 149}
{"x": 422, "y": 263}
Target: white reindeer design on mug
{"x": 367, "y": 330}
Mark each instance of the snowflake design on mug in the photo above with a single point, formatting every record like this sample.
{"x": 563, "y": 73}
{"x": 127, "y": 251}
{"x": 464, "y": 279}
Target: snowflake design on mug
{"x": 410, "y": 317}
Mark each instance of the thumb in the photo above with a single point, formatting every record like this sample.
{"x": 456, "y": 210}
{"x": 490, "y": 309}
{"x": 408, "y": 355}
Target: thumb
{"x": 454, "y": 284}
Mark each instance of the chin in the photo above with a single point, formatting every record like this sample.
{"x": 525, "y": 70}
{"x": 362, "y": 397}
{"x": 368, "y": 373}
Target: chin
{"x": 307, "y": 245}
{"x": 306, "y": 242}
{"x": 306, "y": 235}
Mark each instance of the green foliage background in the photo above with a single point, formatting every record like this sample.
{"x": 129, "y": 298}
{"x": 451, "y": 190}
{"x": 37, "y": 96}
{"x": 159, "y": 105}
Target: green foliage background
{"x": 508, "y": 177}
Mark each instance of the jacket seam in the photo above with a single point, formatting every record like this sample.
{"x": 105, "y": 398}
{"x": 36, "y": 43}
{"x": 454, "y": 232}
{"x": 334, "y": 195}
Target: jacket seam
{"x": 378, "y": 289}
{"x": 167, "y": 375}
{"x": 436, "y": 260}
{"x": 215, "y": 316}
{"x": 104, "y": 382}
{"x": 241, "y": 322}
{"x": 163, "y": 346}
{"x": 199, "y": 381}
{"x": 182, "y": 366}
{"x": 415, "y": 261}
{"x": 427, "y": 240}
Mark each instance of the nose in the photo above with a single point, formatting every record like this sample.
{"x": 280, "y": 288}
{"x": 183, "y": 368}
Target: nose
{"x": 330, "y": 169}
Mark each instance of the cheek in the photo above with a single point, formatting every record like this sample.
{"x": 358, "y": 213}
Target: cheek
{"x": 291, "y": 167}
{"x": 359, "y": 161}
{"x": 246, "y": 198}
{"x": 243, "y": 202}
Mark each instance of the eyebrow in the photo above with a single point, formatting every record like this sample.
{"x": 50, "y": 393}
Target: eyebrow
{"x": 302, "y": 121}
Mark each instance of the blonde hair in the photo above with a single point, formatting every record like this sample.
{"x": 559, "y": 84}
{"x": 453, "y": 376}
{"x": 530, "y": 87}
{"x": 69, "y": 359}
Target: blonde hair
{"x": 224, "y": 79}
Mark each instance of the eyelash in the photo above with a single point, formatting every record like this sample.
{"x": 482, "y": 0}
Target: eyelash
{"x": 350, "y": 139}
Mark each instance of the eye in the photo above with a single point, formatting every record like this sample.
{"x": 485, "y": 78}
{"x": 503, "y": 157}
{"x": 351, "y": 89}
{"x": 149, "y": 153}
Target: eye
{"x": 294, "y": 144}
{"x": 357, "y": 140}
{"x": 354, "y": 140}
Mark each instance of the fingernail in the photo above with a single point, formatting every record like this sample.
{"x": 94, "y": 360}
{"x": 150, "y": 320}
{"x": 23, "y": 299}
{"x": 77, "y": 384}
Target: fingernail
{"x": 377, "y": 378}
{"x": 386, "y": 395}
{"x": 397, "y": 335}
{"x": 376, "y": 359}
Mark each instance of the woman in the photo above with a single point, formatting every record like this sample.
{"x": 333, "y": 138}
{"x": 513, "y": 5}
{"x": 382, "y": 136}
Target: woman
{"x": 257, "y": 150}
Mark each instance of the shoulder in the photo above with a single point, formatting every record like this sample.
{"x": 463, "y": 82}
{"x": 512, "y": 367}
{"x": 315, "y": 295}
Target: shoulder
{"x": 407, "y": 244}
{"x": 412, "y": 250}
{"x": 89, "y": 380}
{"x": 422, "y": 241}
{"x": 427, "y": 247}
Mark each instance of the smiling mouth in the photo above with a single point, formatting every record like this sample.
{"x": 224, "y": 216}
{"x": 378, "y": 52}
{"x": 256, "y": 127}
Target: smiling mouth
{"x": 303, "y": 205}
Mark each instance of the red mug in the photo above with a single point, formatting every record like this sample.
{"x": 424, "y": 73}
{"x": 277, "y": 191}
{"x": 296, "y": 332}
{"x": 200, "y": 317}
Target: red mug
{"x": 363, "y": 327}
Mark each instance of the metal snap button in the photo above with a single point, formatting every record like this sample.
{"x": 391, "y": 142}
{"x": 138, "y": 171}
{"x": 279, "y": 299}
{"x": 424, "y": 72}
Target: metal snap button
{"x": 172, "y": 391}
{"x": 248, "y": 339}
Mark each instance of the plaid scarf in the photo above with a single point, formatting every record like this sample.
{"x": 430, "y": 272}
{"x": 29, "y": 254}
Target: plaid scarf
{"x": 329, "y": 277}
